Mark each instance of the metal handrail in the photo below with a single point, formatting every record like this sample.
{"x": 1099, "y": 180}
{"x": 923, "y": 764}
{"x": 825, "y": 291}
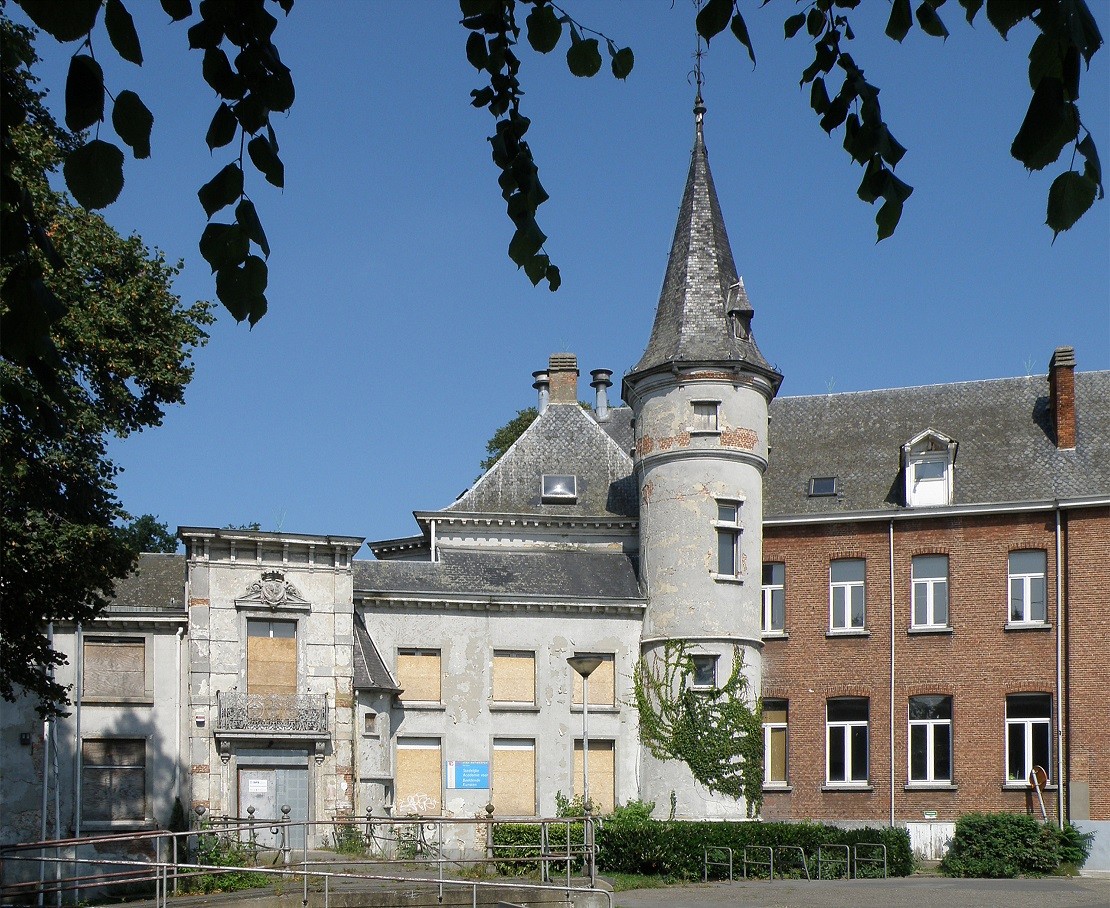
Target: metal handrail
{"x": 856, "y": 858}
{"x": 846, "y": 862}
{"x": 801, "y": 851}
{"x": 708, "y": 863}
{"x": 770, "y": 862}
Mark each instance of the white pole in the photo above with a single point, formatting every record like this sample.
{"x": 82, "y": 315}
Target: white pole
{"x": 586, "y": 743}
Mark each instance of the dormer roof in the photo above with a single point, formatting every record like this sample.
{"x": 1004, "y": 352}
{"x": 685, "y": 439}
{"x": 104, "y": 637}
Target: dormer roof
{"x": 704, "y": 315}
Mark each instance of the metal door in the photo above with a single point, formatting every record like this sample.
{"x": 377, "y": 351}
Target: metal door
{"x": 267, "y": 790}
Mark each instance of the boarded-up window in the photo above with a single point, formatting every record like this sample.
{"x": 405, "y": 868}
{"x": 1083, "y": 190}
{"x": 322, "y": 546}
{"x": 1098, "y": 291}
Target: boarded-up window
{"x": 114, "y": 669}
{"x": 514, "y": 677}
{"x": 418, "y": 674}
{"x": 602, "y": 690}
{"x": 113, "y": 780}
{"x": 514, "y": 777}
{"x": 602, "y": 775}
{"x": 418, "y": 781}
{"x": 271, "y": 656}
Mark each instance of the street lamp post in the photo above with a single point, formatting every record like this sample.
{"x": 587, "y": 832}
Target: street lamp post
{"x": 584, "y": 664}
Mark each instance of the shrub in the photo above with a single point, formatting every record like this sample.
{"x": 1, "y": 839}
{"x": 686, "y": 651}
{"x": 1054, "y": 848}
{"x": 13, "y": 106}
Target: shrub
{"x": 1010, "y": 845}
{"x": 223, "y": 851}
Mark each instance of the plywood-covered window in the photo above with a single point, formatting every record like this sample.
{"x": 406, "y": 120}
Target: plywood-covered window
{"x": 418, "y": 783}
{"x": 514, "y": 676}
{"x": 514, "y": 777}
{"x": 113, "y": 780}
{"x": 418, "y": 674}
{"x": 602, "y": 683}
{"x": 271, "y": 656}
{"x": 115, "y": 669}
{"x": 602, "y": 774}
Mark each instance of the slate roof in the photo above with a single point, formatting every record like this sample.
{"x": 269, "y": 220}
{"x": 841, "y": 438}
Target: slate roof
{"x": 618, "y": 426}
{"x": 370, "y": 670}
{"x": 1006, "y": 453}
{"x": 569, "y": 575}
{"x": 156, "y": 585}
{"x": 690, "y": 321}
{"x": 564, "y": 439}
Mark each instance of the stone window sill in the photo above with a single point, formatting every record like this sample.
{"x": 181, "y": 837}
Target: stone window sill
{"x": 852, "y": 632}
{"x": 845, "y": 787}
{"x": 927, "y": 630}
{"x": 777, "y": 788}
{"x": 930, "y": 786}
{"x": 505, "y": 707}
{"x": 597, "y": 710}
{"x": 424, "y": 706}
{"x": 1027, "y": 626}
{"x": 1025, "y": 786}
{"x": 726, "y": 578}
{"x": 775, "y": 635}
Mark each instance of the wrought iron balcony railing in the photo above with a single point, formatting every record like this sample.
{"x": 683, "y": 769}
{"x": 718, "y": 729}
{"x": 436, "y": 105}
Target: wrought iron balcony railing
{"x": 273, "y": 713}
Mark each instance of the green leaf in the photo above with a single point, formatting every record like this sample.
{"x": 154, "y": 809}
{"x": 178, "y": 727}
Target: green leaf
{"x": 536, "y": 268}
{"x": 1049, "y": 124}
{"x": 740, "y": 30}
{"x": 223, "y": 127}
{"x": 713, "y": 18}
{"x": 1092, "y": 167}
{"x": 1070, "y": 196}
{"x": 815, "y": 22}
{"x": 583, "y": 58}
{"x": 177, "y": 9}
{"x": 931, "y": 24}
{"x": 476, "y": 53}
{"x": 217, "y": 72}
{"x": 268, "y": 163}
{"x": 133, "y": 122}
{"x": 1046, "y": 58}
{"x": 794, "y": 24}
{"x": 889, "y": 147}
{"x": 84, "y": 93}
{"x": 526, "y": 242}
{"x": 94, "y": 174}
{"x": 205, "y": 34}
{"x": 971, "y": 9}
{"x": 241, "y": 288}
{"x": 224, "y": 245}
{"x": 1005, "y": 14}
{"x": 247, "y": 218}
{"x": 818, "y": 96}
{"x": 886, "y": 218}
{"x": 251, "y": 113}
{"x": 554, "y": 278}
{"x": 121, "y": 32}
{"x": 900, "y": 21}
{"x": 1082, "y": 28}
{"x": 622, "y": 63}
{"x": 223, "y": 189}
{"x": 66, "y": 21}
{"x": 544, "y": 29}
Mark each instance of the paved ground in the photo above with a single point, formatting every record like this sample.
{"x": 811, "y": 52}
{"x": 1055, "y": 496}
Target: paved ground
{"x": 911, "y": 892}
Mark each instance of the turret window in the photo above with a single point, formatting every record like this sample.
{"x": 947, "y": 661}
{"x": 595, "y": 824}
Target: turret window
{"x": 728, "y": 540}
{"x": 705, "y": 416}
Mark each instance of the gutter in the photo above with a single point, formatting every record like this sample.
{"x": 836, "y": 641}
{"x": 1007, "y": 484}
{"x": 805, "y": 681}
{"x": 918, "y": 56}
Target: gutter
{"x": 890, "y": 537}
{"x": 1061, "y": 617}
{"x": 1011, "y": 507}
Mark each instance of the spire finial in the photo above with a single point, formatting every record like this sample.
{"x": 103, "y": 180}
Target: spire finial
{"x": 699, "y": 80}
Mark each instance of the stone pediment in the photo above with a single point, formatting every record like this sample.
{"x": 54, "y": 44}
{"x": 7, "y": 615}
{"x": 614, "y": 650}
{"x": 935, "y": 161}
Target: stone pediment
{"x": 274, "y": 592}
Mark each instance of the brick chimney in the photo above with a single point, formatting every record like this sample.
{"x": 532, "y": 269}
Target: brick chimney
{"x": 562, "y": 369}
{"x": 1061, "y": 395}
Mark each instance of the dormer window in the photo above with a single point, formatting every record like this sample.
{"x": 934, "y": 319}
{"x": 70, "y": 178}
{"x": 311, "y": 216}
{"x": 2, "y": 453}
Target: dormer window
{"x": 927, "y": 461}
{"x": 823, "y": 487}
{"x": 559, "y": 488}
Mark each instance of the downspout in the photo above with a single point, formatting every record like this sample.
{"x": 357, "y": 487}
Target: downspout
{"x": 78, "y": 755}
{"x": 45, "y": 769}
{"x": 890, "y": 538}
{"x": 177, "y": 715}
{"x": 433, "y": 535}
{"x": 1061, "y": 613}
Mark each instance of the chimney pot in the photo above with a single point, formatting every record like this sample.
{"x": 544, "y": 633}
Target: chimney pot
{"x": 563, "y": 371}
{"x": 542, "y": 384}
{"x": 1061, "y": 395}
{"x": 601, "y": 384}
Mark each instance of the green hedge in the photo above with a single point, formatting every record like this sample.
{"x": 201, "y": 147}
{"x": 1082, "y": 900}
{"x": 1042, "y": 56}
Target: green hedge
{"x": 675, "y": 849}
{"x": 1010, "y": 845}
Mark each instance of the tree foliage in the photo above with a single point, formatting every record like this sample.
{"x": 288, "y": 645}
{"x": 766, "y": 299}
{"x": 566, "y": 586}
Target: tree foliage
{"x": 149, "y": 534}
{"x": 504, "y": 437}
{"x": 119, "y": 350}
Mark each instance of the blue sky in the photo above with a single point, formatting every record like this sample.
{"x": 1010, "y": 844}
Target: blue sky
{"x": 400, "y": 336}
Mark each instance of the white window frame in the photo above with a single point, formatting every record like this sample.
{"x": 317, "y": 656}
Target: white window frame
{"x": 845, "y": 728}
{"x": 1027, "y": 726}
{"x": 1026, "y": 579}
{"x": 929, "y": 727}
{"x": 707, "y": 422}
{"x": 699, "y": 660}
{"x": 728, "y": 530}
{"x": 847, "y": 588}
{"x": 925, "y": 592}
{"x": 768, "y": 592}
{"x": 768, "y": 727}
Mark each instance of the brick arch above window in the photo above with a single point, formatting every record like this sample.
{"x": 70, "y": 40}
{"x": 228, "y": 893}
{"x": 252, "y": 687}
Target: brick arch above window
{"x": 928, "y": 688}
{"x": 847, "y": 689}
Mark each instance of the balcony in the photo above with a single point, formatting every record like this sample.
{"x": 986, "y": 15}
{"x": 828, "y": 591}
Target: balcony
{"x": 273, "y": 715}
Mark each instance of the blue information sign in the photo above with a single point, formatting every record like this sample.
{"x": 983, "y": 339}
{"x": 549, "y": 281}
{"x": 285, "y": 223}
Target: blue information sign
{"x": 467, "y": 775}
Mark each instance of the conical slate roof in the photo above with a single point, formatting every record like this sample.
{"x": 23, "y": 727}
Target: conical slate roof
{"x": 701, "y": 287}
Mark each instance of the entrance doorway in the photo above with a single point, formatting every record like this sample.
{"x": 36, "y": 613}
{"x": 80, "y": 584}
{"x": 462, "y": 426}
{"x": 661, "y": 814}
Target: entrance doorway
{"x": 267, "y": 789}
